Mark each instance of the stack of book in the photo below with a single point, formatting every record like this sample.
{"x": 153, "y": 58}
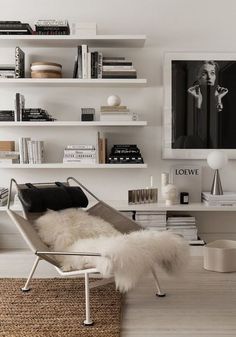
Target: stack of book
{"x": 117, "y": 67}
{"x": 36, "y": 115}
{"x": 7, "y": 71}
{"x": 184, "y": 225}
{"x": 46, "y": 70}
{"x": 52, "y": 27}
{"x": 3, "y": 196}
{"x": 9, "y": 157}
{"x": 15, "y": 28}
{"x": 125, "y": 154}
{"x": 81, "y": 153}
{"x": 227, "y": 199}
{"x": 31, "y": 151}
{"x": 153, "y": 220}
{"x": 116, "y": 113}
{"x": 7, "y": 116}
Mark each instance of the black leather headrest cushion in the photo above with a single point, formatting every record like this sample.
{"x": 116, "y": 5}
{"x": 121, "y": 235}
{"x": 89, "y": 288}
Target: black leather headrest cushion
{"x": 58, "y": 197}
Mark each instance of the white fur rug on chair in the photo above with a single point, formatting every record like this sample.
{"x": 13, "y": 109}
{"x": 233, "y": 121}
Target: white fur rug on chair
{"x": 125, "y": 256}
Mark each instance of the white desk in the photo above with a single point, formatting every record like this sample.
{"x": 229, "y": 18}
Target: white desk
{"x": 122, "y": 205}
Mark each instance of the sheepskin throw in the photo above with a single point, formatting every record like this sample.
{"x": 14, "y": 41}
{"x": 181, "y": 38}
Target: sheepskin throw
{"x": 125, "y": 256}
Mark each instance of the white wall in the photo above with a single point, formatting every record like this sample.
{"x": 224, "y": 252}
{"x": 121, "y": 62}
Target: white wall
{"x": 170, "y": 25}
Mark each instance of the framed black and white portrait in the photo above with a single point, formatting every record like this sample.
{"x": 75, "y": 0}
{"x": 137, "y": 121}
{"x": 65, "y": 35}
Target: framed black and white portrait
{"x": 199, "y": 105}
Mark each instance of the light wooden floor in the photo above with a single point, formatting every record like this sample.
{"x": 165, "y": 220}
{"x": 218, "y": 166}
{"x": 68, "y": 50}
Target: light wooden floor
{"x": 198, "y": 303}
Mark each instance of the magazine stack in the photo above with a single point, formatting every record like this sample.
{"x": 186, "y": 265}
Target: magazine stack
{"x": 152, "y": 220}
{"x": 184, "y": 225}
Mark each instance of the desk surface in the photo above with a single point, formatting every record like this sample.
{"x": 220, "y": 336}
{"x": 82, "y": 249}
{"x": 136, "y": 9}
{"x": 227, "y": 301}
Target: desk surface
{"x": 122, "y": 205}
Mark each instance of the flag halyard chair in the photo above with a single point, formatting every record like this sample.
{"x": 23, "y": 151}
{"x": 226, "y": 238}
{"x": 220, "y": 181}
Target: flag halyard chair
{"x": 42, "y": 252}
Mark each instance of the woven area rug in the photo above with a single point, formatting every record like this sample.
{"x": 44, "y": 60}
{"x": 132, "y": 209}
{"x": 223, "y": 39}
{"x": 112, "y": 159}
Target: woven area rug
{"x": 55, "y": 308}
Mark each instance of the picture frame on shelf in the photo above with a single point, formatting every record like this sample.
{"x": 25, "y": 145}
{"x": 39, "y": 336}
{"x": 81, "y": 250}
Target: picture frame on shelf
{"x": 199, "y": 105}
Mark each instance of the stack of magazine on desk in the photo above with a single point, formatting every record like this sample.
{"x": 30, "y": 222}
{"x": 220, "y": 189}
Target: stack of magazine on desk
{"x": 226, "y": 199}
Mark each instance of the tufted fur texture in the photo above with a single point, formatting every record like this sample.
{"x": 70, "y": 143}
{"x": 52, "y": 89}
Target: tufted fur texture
{"x": 126, "y": 257}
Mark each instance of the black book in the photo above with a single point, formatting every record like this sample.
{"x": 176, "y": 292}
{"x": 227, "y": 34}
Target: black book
{"x": 75, "y": 70}
{"x": 96, "y": 55}
{"x": 117, "y": 63}
{"x": 119, "y": 76}
{"x": 18, "y": 107}
{"x": 20, "y": 63}
{"x": 93, "y": 70}
{"x": 80, "y": 66}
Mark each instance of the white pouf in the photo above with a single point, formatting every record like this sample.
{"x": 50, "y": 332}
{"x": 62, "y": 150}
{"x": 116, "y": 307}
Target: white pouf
{"x": 220, "y": 256}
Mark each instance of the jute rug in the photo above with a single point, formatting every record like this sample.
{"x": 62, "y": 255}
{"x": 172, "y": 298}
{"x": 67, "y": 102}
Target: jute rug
{"x": 55, "y": 308}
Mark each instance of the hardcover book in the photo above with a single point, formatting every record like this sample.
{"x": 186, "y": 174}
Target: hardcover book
{"x": 188, "y": 178}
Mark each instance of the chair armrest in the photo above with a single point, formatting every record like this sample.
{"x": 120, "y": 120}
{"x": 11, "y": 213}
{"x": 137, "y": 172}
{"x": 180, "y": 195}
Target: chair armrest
{"x": 67, "y": 253}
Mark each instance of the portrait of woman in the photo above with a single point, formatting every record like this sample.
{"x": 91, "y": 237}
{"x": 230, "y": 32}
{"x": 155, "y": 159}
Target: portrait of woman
{"x": 203, "y": 104}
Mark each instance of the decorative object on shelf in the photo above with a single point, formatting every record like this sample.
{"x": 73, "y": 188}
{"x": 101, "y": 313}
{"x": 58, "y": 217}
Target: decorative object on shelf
{"x": 46, "y": 70}
{"x": 184, "y": 198}
{"x": 52, "y": 27}
{"x": 188, "y": 178}
{"x": 216, "y": 160}
{"x": 142, "y": 196}
{"x": 19, "y": 63}
{"x": 87, "y": 114}
{"x": 15, "y": 28}
{"x": 113, "y": 100}
{"x": 170, "y": 194}
{"x": 83, "y": 28}
{"x": 125, "y": 154}
{"x": 199, "y": 87}
{"x": 164, "y": 181}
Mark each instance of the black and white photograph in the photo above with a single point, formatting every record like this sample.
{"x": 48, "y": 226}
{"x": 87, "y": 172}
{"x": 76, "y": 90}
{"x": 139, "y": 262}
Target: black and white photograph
{"x": 203, "y": 104}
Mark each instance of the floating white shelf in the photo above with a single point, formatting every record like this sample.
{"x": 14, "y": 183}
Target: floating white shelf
{"x": 73, "y": 123}
{"x": 71, "y": 166}
{"x": 70, "y": 41}
{"x": 72, "y": 82}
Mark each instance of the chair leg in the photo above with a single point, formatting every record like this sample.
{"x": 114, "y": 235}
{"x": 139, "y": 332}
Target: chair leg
{"x": 88, "y": 321}
{"x": 26, "y": 288}
{"x": 159, "y": 293}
